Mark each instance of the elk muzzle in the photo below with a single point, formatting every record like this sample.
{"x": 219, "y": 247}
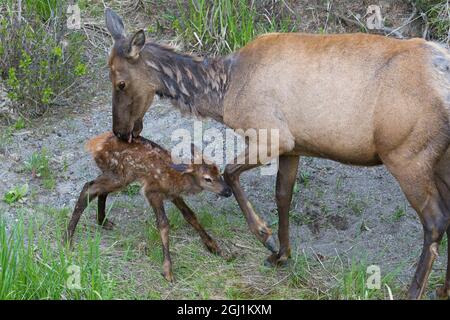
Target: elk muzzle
{"x": 226, "y": 192}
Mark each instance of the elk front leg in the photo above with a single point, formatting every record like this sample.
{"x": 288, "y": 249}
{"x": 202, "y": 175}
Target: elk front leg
{"x": 190, "y": 217}
{"x": 284, "y": 144}
{"x": 257, "y": 226}
{"x": 163, "y": 226}
{"x": 287, "y": 173}
{"x": 101, "y": 214}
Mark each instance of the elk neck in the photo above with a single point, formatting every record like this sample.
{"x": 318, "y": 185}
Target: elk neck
{"x": 195, "y": 85}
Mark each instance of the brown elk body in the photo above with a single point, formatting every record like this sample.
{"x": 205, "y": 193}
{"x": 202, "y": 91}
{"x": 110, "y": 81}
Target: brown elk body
{"x": 122, "y": 163}
{"x": 354, "y": 98}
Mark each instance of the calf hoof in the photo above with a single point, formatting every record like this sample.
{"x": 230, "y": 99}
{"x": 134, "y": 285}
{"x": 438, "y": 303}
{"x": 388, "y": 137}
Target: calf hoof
{"x": 108, "y": 225}
{"x": 275, "y": 260}
{"x": 443, "y": 293}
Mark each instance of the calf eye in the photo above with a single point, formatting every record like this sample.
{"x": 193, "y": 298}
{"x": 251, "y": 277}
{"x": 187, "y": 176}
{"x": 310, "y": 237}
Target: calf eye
{"x": 121, "y": 85}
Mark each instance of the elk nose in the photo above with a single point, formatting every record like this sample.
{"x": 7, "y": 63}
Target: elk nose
{"x": 121, "y": 136}
{"x": 226, "y": 192}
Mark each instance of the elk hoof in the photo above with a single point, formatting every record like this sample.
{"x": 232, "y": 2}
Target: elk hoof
{"x": 108, "y": 225}
{"x": 274, "y": 260}
{"x": 271, "y": 244}
{"x": 212, "y": 247}
{"x": 443, "y": 293}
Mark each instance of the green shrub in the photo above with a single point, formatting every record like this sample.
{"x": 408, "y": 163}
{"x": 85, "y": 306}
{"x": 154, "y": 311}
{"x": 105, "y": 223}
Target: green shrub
{"x": 41, "y": 61}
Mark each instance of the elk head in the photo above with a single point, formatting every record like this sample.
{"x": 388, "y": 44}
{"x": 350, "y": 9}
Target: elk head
{"x": 133, "y": 85}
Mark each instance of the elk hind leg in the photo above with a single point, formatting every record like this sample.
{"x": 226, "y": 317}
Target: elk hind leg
{"x": 287, "y": 173}
{"x": 443, "y": 184}
{"x": 420, "y": 185}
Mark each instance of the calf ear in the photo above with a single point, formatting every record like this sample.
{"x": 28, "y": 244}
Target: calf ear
{"x": 182, "y": 167}
{"x": 114, "y": 24}
{"x": 136, "y": 44}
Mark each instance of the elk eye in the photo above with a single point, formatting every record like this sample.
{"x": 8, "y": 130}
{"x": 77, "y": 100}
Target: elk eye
{"x": 121, "y": 85}
{"x": 208, "y": 179}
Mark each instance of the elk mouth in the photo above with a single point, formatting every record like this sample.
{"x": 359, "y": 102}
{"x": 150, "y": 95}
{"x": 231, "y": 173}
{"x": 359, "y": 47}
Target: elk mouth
{"x": 129, "y": 136}
{"x": 125, "y": 137}
{"x": 226, "y": 192}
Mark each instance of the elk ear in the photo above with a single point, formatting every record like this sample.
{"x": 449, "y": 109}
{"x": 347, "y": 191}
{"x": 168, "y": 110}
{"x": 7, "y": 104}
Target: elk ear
{"x": 136, "y": 44}
{"x": 182, "y": 167}
{"x": 114, "y": 24}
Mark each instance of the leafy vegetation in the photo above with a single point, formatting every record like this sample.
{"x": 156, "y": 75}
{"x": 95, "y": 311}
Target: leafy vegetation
{"x": 16, "y": 193}
{"x": 40, "y": 60}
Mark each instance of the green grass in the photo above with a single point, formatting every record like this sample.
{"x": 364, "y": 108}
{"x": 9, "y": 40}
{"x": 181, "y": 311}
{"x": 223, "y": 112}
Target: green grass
{"x": 305, "y": 177}
{"x": 398, "y": 213}
{"x": 352, "y": 284}
{"x": 132, "y": 189}
{"x": 38, "y": 165}
{"x": 356, "y": 205}
{"x": 126, "y": 263}
{"x": 227, "y": 25}
{"x": 437, "y": 13}
{"x": 35, "y": 267}
{"x": 42, "y": 8}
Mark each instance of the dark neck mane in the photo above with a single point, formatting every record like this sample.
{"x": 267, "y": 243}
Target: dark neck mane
{"x": 195, "y": 85}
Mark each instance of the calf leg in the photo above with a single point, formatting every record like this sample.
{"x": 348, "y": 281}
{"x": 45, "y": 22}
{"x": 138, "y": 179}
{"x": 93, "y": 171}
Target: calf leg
{"x": 104, "y": 184}
{"x": 287, "y": 172}
{"x": 190, "y": 217}
{"x": 163, "y": 226}
{"x": 101, "y": 214}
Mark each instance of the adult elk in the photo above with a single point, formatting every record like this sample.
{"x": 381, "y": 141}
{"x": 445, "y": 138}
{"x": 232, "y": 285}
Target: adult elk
{"x": 354, "y": 98}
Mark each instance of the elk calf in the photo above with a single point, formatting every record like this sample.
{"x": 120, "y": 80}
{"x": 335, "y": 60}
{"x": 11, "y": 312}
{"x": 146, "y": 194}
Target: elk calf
{"x": 122, "y": 163}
